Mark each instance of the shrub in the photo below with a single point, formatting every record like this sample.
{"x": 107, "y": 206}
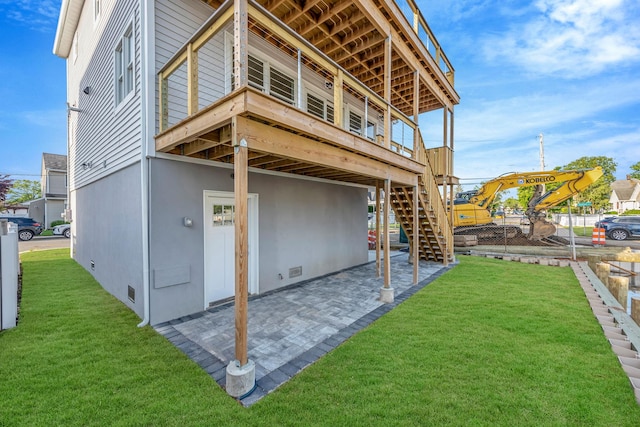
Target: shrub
{"x": 632, "y": 212}
{"x": 58, "y": 222}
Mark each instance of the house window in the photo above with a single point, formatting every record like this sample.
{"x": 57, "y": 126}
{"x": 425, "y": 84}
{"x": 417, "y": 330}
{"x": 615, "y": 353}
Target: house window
{"x": 256, "y": 73}
{"x": 319, "y": 107}
{"x": 270, "y": 80}
{"x": 371, "y": 130}
{"x": 124, "y": 57}
{"x": 96, "y": 10}
{"x": 355, "y": 123}
{"x": 281, "y": 86}
{"x": 223, "y": 215}
{"x": 330, "y": 113}
{"x": 75, "y": 47}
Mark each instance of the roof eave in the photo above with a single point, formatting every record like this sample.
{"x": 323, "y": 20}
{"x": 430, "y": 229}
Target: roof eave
{"x": 70, "y": 11}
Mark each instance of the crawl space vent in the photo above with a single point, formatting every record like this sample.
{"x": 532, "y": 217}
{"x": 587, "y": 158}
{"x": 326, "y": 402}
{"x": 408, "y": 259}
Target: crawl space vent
{"x": 295, "y": 272}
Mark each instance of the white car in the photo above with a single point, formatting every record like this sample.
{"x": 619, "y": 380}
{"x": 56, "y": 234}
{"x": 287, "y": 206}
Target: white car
{"x": 62, "y": 229}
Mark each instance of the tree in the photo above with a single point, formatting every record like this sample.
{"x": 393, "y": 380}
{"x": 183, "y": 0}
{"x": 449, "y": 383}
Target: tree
{"x": 636, "y": 171}
{"x": 512, "y": 203}
{"x": 599, "y": 192}
{"x": 5, "y": 186}
{"x": 23, "y": 190}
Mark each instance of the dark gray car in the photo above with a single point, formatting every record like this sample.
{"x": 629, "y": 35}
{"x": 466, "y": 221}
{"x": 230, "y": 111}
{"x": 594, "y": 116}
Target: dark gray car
{"x": 27, "y": 227}
{"x": 621, "y": 227}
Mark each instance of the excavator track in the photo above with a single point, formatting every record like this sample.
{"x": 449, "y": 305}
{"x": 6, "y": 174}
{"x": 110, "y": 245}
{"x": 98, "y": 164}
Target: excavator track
{"x": 510, "y": 235}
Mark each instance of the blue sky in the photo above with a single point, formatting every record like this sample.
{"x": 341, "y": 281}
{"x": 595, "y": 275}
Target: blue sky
{"x": 569, "y": 69}
{"x": 33, "y": 115}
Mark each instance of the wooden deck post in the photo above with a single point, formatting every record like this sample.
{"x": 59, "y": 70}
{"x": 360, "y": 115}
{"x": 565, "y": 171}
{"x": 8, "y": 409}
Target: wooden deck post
{"x": 241, "y": 247}
{"x": 387, "y": 251}
{"x": 386, "y": 292}
{"x": 241, "y": 372}
{"x": 192, "y": 80}
{"x": 416, "y": 233}
{"x": 388, "y": 53}
{"x": 240, "y": 42}
{"x": 378, "y": 236}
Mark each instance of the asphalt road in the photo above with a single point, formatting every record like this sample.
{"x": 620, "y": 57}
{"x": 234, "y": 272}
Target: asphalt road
{"x": 39, "y": 243}
{"x": 57, "y": 242}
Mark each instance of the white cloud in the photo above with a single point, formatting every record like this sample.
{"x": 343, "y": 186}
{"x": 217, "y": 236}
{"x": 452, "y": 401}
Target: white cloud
{"x": 37, "y": 15}
{"x": 571, "y": 38}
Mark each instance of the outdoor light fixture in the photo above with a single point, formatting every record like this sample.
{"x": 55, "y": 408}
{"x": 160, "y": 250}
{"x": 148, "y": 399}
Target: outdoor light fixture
{"x": 87, "y": 90}
{"x": 188, "y": 222}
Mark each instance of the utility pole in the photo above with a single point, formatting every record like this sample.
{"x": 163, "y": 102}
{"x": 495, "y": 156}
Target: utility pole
{"x": 541, "y": 136}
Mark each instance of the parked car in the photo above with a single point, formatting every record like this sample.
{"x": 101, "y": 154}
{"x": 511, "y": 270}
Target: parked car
{"x": 620, "y": 227}
{"x": 524, "y": 220}
{"x": 62, "y": 229}
{"x": 27, "y": 227}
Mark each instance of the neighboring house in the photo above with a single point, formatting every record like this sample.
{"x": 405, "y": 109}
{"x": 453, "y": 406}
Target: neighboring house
{"x": 625, "y": 195}
{"x": 209, "y": 154}
{"x": 53, "y": 187}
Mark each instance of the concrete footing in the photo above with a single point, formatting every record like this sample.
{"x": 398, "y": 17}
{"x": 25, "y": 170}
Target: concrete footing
{"x": 386, "y": 295}
{"x": 241, "y": 380}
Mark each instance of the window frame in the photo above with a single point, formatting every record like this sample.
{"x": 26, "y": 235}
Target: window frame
{"x": 328, "y": 111}
{"x": 97, "y": 9}
{"x": 125, "y": 65}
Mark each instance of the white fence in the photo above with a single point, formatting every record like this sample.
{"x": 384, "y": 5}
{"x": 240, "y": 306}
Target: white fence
{"x": 578, "y": 220}
{"x": 9, "y": 271}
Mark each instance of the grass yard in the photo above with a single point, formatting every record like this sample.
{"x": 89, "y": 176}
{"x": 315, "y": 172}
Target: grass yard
{"x": 488, "y": 343}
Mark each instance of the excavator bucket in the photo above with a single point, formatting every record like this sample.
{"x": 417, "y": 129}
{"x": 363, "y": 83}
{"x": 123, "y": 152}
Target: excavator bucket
{"x": 540, "y": 229}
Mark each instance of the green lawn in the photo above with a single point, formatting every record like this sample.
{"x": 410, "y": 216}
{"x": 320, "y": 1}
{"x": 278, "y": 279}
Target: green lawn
{"x": 488, "y": 343}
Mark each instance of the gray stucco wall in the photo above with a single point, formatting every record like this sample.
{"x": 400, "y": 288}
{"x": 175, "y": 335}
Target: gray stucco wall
{"x": 321, "y": 227}
{"x": 55, "y": 208}
{"x": 108, "y": 230}
{"x": 36, "y": 211}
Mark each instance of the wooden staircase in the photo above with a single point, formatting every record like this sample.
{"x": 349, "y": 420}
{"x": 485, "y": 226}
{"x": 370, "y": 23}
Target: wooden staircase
{"x": 434, "y": 229}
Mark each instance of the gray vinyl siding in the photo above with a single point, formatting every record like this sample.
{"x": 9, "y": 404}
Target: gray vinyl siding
{"x": 108, "y": 226}
{"x": 176, "y": 22}
{"x": 318, "y": 226}
{"x": 107, "y": 136}
{"x": 211, "y": 69}
{"x": 56, "y": 183}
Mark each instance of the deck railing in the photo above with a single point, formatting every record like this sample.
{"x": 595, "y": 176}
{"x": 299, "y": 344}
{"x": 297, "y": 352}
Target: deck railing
{"x": 199, "y": 75}
{"x": 437, "y": 204}
{"x": 419, "y": 24}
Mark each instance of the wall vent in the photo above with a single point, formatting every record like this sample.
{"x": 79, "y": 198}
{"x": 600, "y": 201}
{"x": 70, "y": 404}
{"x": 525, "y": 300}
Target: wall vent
{"x": 295, "y": 272}
{"x": 132, "y": 294}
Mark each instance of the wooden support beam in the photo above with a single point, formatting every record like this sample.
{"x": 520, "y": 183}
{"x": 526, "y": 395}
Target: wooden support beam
{"x": 387, "y": 250}
{"x": 241, "y": 220}
{"x": 279, "y": 142}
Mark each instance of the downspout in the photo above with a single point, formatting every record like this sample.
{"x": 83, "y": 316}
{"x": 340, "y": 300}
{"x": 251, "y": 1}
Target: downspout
{"x": 146, "y": 91}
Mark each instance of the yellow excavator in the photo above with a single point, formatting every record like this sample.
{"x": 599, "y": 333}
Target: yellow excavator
{"x": 471, "y": 209}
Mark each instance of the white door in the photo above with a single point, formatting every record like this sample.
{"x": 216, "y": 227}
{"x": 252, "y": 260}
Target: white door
{"x": 219, "y": 246}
